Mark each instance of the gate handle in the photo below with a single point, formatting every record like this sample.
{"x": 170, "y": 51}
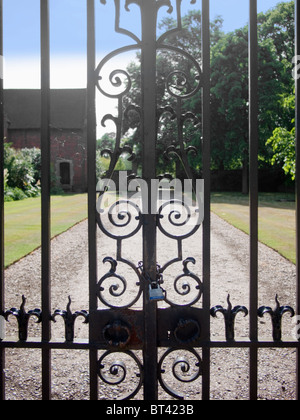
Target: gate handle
{"x": 187, "y": 331}
{"x": 117, "y": 334}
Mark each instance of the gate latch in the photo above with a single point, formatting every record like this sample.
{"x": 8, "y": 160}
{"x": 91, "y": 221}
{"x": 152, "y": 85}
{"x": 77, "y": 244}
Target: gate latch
{"x": 156, "y": 292}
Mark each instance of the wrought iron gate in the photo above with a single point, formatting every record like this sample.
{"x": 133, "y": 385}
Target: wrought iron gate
{"x": 166, "y": 318}
{"x": 180, "y": 325}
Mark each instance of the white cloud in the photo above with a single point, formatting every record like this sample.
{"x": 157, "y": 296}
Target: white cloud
{"x": 21, "y": 73}
{"x": 24, "y": 72}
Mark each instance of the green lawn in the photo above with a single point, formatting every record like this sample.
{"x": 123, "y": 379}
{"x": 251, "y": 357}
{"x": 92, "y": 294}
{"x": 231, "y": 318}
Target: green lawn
{"x": 276, "y": 218}
{"x": 23, "y": 222}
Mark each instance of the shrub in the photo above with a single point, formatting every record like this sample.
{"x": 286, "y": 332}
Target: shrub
{"x": 22, "y": 173}
{"x": 14, "y": 194}
{"x": 35, "y": 157}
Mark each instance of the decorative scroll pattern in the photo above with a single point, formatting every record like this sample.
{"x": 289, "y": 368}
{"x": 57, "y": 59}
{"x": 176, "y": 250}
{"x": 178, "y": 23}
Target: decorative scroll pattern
{"x": 113, "y": 371}
{"x": 185, "y": 284}
{"x": 117, "y": 288}
{"x": 185, "y": 365}
{"x": 123, "y": 218}
{"x": 175, "y": 218}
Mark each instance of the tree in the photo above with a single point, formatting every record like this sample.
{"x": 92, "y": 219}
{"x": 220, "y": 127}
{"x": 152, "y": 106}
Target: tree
{"x": 229, "y": 89}
{"x": 278, "y": 26}
{"x": 283, "y": 142}
{"x": 168, "y": 62}
{"x": 106, "y": 141}
{"x": 22, "y": 173}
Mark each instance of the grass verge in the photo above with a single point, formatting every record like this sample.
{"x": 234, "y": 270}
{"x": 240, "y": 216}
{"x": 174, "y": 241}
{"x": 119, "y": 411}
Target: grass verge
{"x": 276, "y": 217}
{"x": 23, "y": 222}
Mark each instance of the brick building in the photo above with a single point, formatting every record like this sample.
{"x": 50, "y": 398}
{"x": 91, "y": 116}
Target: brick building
{"x": 68, "y": 130}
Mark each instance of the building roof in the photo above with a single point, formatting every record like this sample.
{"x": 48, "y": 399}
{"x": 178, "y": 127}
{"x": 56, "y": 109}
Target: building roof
{"x": 23, "y": 108}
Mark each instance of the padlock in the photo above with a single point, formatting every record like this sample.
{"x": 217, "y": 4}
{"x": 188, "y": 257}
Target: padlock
{"x": 156, "y": 293}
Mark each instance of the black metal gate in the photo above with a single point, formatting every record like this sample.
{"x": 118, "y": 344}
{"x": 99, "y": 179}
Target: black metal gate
{"x": 163, "y": 327}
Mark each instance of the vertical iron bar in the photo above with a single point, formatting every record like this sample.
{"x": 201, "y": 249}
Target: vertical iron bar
{"x": 45, "y": 180}
{"x": 253, "y": 188}
{"x": 91, "y": 156}
{"x": 297, "y": 119}
{"x": 149, "y": 126}
{"x": 207, "y": 181}
{"x": 2, "y": 299}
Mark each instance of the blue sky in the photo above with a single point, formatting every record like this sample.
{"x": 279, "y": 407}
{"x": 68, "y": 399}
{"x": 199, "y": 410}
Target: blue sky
{"x": 68, "y": 23}
{"x": 68, "y": 35}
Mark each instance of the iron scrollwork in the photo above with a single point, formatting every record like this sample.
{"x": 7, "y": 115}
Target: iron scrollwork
{"x": 183, "y": 288}
{"x": 175, "y": 218}
{"x": 113, "y": 371}
{"x": 186, "y": 367}
{"x": 117, "y": 288}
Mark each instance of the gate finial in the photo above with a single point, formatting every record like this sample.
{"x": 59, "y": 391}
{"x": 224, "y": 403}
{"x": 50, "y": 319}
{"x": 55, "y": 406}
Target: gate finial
{"x": 229, "y": 317}
{"x": 276, "y": 316}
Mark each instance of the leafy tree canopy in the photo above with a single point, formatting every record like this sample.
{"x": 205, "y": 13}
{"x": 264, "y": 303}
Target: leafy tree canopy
{"x": 229, "y": 91}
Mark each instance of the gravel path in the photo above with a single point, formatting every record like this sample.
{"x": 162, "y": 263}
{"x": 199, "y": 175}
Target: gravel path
{"x": 229, "y": 368}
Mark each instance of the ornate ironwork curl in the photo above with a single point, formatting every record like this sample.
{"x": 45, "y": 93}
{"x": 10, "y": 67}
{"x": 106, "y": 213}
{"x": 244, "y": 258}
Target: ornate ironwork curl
{"x": 69, "y": 319}
{"x": 182, "y": 369}
{"x": 118, "y": 288}
{"x": 114, "y": 288}
{"x": 116, "y": 82}
{"x": 177, "y": 219}
{"x": 183, "y": 288}
{"x": 119, "y": 215}
{"x": 229, "y": 317}
{"x": 23, "y": 318}
{"x": 176, "y": 150}
{"x": 276, "y": 317}
{"x": 178, "y": 85}
{"x": 115, "y": 372}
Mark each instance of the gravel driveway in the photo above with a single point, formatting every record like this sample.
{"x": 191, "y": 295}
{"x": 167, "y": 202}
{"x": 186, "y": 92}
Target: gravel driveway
{"x": 229, "y": 368}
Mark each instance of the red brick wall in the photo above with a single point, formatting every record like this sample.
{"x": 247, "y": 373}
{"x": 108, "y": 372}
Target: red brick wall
{"x": 65, "y": 145}
{"x": 71, "y": 146}
{"x": 24, "y": 138}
